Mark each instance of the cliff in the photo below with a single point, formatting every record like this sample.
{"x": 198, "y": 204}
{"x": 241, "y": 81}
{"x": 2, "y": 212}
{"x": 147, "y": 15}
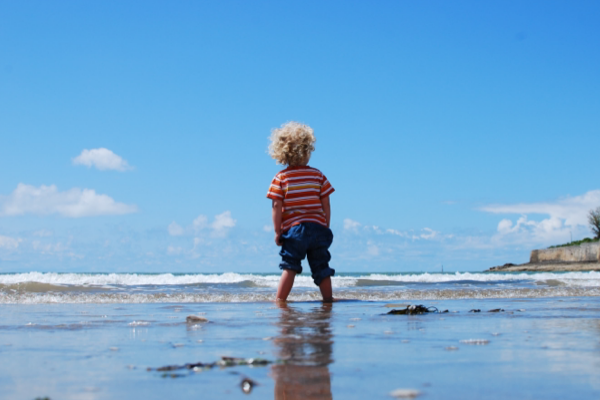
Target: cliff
{"x": 585, "y": 257}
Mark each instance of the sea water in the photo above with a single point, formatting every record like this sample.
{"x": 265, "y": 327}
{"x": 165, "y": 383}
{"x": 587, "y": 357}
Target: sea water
{"x": 40, "y": 288}
{"x": 104, "y": 336}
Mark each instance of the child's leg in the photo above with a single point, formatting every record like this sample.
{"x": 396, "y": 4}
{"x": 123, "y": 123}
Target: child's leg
{"x": 326, "y": 291}
{"x": 285, "y": 284}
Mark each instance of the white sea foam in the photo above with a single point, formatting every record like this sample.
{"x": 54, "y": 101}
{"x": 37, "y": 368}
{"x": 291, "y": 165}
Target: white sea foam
{"x": 302, "y": 295}
{"x": 586, "y": 279}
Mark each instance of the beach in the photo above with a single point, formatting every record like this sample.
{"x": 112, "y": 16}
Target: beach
{"x": 94, "y": 338}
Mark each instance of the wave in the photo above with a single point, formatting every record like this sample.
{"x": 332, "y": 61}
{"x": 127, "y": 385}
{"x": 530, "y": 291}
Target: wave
{"x": 346, "y": 294}
{"x": 107, "y": 280}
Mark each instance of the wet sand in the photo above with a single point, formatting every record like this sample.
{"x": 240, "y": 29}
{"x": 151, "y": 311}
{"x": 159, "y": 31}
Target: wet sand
{"x": 537, "y": 348}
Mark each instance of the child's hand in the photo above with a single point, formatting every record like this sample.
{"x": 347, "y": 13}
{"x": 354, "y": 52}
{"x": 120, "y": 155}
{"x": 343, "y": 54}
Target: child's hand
{"x": 278, "y": 239}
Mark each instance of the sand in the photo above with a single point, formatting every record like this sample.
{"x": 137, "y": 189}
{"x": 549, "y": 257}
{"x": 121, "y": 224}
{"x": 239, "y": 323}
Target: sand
{"x": 537, "y": 348}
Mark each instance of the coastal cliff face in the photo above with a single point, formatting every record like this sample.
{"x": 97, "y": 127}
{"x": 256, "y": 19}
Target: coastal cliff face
{"x": 587, "y": 252}
{"x": 585, "y": 257}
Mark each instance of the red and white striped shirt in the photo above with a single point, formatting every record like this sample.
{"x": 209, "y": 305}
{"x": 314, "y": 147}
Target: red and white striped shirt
{"x": 301, "y": 189}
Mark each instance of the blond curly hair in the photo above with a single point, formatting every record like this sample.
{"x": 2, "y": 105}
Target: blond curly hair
{"x": 292, "y": 144}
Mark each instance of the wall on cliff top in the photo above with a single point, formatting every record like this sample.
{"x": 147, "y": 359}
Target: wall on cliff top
{"x": 587, "y": 252}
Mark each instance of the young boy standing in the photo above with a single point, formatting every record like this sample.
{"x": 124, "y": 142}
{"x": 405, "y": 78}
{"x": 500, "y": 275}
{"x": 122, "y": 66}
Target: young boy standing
{"x": 301, "y": 209}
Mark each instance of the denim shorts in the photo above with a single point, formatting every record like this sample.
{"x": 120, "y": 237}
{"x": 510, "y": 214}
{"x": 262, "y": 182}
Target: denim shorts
{"x": 310, "y": 240}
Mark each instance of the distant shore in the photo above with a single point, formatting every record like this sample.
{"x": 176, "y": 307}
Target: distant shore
{"x": 578, "y": 256}
{"x": 548, "y": 267}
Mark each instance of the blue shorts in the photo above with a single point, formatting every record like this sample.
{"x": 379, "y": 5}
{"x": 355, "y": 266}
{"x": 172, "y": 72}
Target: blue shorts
{"x": 307, "y": 239}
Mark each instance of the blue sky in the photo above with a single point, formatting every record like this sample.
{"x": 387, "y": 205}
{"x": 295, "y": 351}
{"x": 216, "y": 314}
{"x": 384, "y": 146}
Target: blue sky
{"x": 460, "y": 133}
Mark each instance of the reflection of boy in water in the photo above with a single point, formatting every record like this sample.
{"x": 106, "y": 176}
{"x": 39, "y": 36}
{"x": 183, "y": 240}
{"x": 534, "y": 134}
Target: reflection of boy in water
{"x": 305, "y": 346}
{"x": 301, "y": 209}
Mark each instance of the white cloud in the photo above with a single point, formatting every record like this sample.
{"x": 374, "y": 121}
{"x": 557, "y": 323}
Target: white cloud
{"x": 526, "y": 231}
{"x": 219, "y": 228}
{"x": 372, "y": 249}
{"x": 395, "y": 232}
{"x": 171, "y": 250}
{"x": 9, "y": 243}
{"x": 73, "y": 203}
{"x": 428, "y": 234}
{"x": 102, "y": 159}
{"x": 566, "y": 216}
{"x": 268, "y": 228}
{"x": 223, "y": 222}
{"x": 356, "y": 227}
{"x": 573, "y": 210}
{"x": 175, "y": 229}
{"x": 351, "y": 225}
{"x": 200, "y": 222}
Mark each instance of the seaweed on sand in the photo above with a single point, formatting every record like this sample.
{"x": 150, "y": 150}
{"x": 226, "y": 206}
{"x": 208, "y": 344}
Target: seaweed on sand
{"x": 416, "y": 310}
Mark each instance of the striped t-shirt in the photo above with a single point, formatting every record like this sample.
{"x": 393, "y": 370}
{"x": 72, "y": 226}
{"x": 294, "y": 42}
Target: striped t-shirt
{"x": 301, "y": 189}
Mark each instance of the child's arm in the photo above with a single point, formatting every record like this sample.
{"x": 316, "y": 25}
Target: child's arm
{"x": 326, "y": 208}
{"x": 277, "y": 211}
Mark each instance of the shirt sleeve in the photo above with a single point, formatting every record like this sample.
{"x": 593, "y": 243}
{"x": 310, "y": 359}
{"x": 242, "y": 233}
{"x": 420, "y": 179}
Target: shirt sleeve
{"x": 275, "y": 191}
{"x": 326, "y": 188}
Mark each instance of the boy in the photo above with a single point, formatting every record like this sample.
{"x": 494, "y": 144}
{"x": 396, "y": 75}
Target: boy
{"x": 301, "y": 210}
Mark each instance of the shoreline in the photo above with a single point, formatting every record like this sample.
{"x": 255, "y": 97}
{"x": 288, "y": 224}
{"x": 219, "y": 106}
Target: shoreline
{"x": 547, "y": 267}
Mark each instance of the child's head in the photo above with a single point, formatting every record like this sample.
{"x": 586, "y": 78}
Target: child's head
{"x": 292, "y": 144}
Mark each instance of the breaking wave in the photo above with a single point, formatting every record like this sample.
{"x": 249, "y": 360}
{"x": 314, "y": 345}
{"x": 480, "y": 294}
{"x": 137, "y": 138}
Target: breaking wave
{"x": 358, "y": 295}
{"x": 51, "y": 287}
{"x": 588, "y": 279}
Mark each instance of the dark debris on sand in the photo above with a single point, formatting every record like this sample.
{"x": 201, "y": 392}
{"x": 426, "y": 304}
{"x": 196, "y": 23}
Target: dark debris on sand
{"x": 421, "y": 309}
{"x": 224, "y": 362}
{"x": 416, "y": 310}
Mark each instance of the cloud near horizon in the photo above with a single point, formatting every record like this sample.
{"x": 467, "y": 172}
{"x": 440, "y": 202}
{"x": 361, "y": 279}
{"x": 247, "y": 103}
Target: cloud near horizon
{"x": 223, "y": 222}
{"x": 175, "y": 229}
{"x": 9, "y": 243}
{"x": 566, "y": 216}
{"x": 220, "y": 226}
{"x": 424, "y": 234}
{"x": 573, "y": 210}
{"x": 102, "y": 159}
{"x": 72, "y": 203}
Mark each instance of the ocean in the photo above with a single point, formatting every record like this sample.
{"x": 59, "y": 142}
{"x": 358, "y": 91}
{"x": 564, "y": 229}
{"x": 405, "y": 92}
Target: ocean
{"x": 111, "y": 336}
{"x": 98, "y": 288}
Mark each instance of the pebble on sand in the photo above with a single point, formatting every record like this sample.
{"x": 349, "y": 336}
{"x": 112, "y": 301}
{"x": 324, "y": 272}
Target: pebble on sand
{"x": 405, "y": 393}
{"x": 247, "y": 384}
{"x": 192, "y": 319}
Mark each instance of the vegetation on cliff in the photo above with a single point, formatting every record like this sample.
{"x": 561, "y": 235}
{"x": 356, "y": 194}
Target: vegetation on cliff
{"x": 594, "y": 220}
{"x": 575, "y": 243}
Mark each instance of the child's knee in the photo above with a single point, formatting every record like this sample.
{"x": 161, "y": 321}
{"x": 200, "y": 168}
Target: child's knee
{"x": 291, "y": 264}
{"x": 322, "y": 272}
